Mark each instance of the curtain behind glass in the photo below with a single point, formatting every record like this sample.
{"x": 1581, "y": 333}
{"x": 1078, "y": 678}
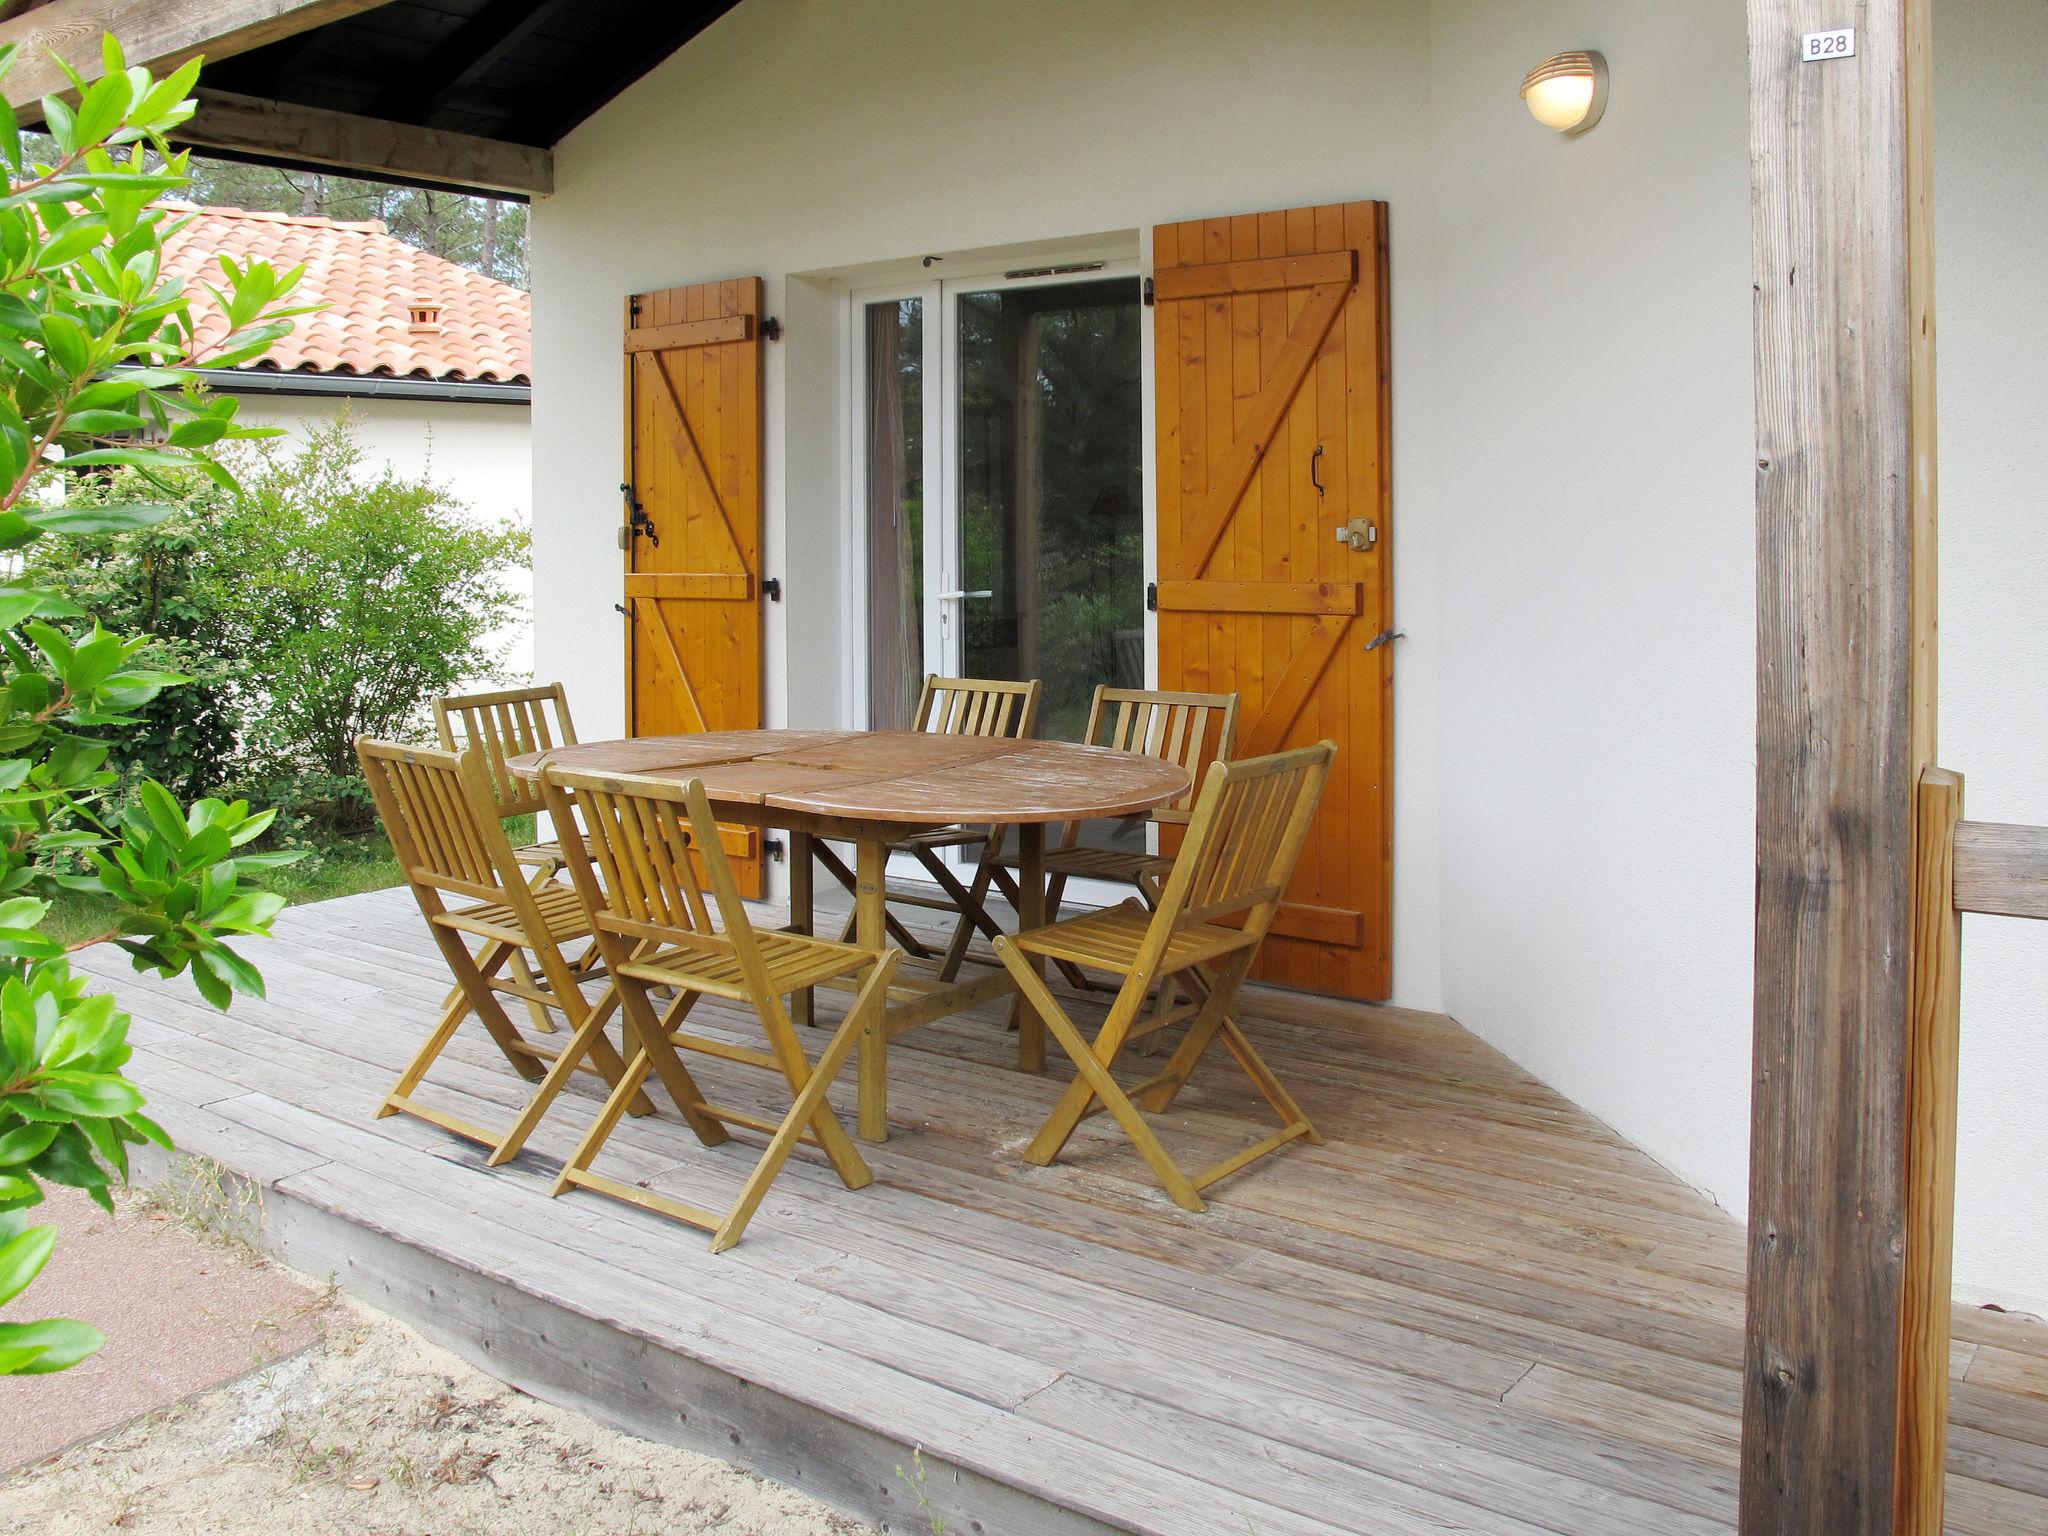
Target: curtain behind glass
{"x": 895, "y": 505}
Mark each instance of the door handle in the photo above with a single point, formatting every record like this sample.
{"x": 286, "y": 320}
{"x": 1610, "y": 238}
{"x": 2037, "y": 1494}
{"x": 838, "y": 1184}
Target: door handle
{"x": 954, "y": 597}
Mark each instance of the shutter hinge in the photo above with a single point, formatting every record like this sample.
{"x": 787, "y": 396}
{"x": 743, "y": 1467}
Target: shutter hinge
{"x": 1148, "y": 293}
{"x": 771, "y": 588}
{"x": 633, "y": 305}
{"x": 772, "y": 328}
{"x": 620, "y": 609}
{"x": 1151, "y": 597}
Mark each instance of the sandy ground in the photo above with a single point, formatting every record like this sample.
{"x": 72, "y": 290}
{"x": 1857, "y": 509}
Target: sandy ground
{"x": 374, "y": 1432}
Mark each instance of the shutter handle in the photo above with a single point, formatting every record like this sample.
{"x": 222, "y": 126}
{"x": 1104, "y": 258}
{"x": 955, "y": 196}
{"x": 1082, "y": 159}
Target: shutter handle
{"x": 1315, "y": 471}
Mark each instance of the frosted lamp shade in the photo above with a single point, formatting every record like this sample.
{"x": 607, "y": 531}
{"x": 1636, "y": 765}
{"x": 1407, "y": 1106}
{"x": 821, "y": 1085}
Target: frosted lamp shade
{"x": 1567, "y": 91}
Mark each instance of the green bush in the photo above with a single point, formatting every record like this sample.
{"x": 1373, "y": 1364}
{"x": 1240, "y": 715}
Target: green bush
{"x": 160, "y": 581}
{"x": 352, "y": 595}
{"x": 96, "y": 353}
{"x": 324, "y": 601}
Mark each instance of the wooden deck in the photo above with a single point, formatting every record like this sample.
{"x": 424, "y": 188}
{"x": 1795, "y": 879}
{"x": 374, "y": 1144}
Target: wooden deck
{"x": 1475, "y": 1309}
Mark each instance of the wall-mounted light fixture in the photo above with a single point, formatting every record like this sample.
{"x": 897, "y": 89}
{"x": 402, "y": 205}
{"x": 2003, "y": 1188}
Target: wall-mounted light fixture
{"x": 1567, "y": 91}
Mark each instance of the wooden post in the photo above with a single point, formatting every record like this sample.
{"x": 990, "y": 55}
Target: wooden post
{"x": 1932, "y": 1052}
{"x": 1845, "y": 724}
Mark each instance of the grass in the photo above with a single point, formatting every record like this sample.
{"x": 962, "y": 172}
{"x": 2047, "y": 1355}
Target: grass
{"x": 346, "y": 867}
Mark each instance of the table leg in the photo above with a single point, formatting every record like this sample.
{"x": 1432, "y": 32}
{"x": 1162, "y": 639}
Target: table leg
{"x": 870, "y": 929}
{"x": 1031, "y": 891}
{"x": 801, "y": 868}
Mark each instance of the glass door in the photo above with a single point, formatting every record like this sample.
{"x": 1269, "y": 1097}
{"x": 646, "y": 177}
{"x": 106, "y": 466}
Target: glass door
{"x": 1003, "y": 456}
{"x": 1045, "y": 573}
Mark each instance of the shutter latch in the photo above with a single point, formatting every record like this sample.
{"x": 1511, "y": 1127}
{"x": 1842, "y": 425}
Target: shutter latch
{"x": 1151, "y": 597}
{"x": 771, "y": 588}
{"x": 772, "y": 328}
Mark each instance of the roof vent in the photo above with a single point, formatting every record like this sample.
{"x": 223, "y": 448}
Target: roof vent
{"x": 424, "y": 319}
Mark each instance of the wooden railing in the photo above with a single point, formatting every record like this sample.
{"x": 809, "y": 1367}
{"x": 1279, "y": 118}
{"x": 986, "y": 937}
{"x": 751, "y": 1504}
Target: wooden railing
{"x": 1958, "y": 866}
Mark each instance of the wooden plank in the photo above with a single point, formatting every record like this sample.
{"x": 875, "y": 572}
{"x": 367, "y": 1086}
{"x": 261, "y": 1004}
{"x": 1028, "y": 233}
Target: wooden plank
{"x": 1232, "y": 466}
{"x": 1340, "y": 597}
{"x": 1840, "y": 729}
{"x": 690, "y": 333}
{"x": 1272, "y": 425}
{"x": 160, "y": 34}
{"x": 368, "y": 146}
{"x": 709, "y": 586}
{"x": 1320, "y": 925}
{"x": 694, "y": 445}
{"x": 1473, "y": 1300}
{"x": 1932, "y": 1066}
{"x": 1254, "y": 276}
{"x": 2001, "y": 869}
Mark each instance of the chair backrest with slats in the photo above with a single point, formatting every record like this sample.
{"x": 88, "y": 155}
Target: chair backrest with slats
{"x": 503, "y": 725}
{"x": 643, "y": 858}
{"x": 1190, "y": 729}
{"x": 438, "y": 810}
{"x": 976, "y": 706}
{"x": 1249, "y": 823}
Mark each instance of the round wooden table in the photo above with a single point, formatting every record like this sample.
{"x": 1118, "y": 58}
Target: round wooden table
{"x": 872, "y": 788}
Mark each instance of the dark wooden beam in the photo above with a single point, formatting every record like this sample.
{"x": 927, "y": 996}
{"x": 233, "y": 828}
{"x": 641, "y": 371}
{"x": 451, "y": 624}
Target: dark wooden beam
{"x": 313, "y": 136}
{"x": 463, "y": 58}
{"x": 1845, "y": 717}
{"x": 161, "y": 34}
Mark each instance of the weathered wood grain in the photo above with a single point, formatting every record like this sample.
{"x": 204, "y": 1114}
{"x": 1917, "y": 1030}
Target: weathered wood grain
{"x": 364, "y": 146}
{"x": 1841, "y": 733}
{"x": 1474, "y": 1305}
{"x": 2001, "y": 869}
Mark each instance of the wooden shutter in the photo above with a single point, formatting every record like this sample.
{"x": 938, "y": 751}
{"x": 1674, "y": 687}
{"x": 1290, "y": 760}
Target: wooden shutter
{"x": 693, "y": 550}
{"x": 1271, "y": 337}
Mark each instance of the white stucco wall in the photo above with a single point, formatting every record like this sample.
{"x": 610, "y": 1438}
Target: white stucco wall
{"x": 1596, "y": 486}
{"x": 1991, "y": 293}
{"x": 483, "y": 451}
{"x": 838, "y": 147}
{"x": 1574, "y": 522}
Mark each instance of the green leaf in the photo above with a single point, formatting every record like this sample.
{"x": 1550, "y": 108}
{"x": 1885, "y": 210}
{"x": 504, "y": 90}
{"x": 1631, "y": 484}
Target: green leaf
{"x": 81, "y": 518}
{"x": 25, "y": 1142}
{"x": 23, "y": 1259}
{"x": 68, "y": 1160}
{"x": 54, "y": 1344}
{"x": 68, "y": 342}
{"x": 73, "y": 241}
{"x": 80, "y": 1093}
{"x": 150, "y": 1130}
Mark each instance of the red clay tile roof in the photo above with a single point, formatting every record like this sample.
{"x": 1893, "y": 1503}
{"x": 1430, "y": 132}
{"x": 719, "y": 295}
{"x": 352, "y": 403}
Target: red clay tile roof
{"x": 372, "y": 285}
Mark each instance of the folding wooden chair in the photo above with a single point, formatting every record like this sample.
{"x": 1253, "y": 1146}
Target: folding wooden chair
{"x": 654, "y": 928}
{"x": 950, "y": 706}
{"x": 1191, "y": 729}
{"x": 503, "y": 725}
{"x": 1244, "y": 835}
{"x": 438, "y": 810}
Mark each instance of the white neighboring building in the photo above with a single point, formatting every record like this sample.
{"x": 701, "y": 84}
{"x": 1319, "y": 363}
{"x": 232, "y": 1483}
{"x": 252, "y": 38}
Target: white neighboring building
{"x": 431, "y": 359}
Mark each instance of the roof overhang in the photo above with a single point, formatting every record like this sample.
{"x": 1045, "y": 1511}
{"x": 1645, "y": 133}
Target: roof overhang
{"x": 470, "y": 95}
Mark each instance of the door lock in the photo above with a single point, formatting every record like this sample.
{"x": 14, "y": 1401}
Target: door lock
{"x": 1360, "y": 533}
